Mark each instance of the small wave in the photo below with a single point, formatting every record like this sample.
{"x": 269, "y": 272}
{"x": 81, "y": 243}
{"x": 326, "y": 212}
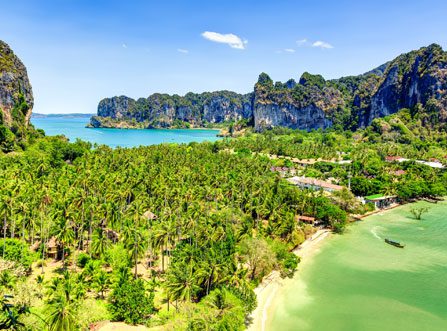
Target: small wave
{"x": 374, "y": 233}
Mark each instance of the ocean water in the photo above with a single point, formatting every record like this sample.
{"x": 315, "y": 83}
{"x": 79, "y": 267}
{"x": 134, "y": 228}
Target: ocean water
{"x": 358, "y": 282}
{"x": 74, "y": 127}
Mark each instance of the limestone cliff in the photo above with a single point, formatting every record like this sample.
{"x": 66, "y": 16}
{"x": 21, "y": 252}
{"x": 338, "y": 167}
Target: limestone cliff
{"x": 416, "y": 80}
{"x": 163, "y": 110}
{"x": 16, "y": 99}
{"x": 418, "y": 77}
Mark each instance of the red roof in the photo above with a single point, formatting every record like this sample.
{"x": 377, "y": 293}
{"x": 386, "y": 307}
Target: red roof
{"x": 307, "y": 219}
{"x": 398, "y": 172}
{"x": 392, "y": 158}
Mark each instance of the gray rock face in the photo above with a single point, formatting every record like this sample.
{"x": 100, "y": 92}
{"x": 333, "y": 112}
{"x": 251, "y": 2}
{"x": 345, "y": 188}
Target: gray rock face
{"x": 308, "y": 118}
{"x": 221, "y": 109}
{"x": 162, "y": 110}
{"x": 386, "y": 101}
{"x": 411, "y": 80}
{"x": 116, "y": 108}
{"x": 13, "y": 83}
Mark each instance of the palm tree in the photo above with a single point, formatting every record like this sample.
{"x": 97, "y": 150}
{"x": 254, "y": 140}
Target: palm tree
{"x": 62, "y": 306}
{"x": 135, "y": 245}
{"x": 64, "y": 234}
{"x": 100, "y": 242}
{"x": 102, "y": 282}
{"x": 181, "y": 282}
{"x": 61, "y": 314}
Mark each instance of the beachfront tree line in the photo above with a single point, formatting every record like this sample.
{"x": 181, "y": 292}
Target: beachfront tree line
{"x": 150, "y": 228}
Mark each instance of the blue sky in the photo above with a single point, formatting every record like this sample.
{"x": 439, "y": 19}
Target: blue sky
{"x": 78, "y": 52}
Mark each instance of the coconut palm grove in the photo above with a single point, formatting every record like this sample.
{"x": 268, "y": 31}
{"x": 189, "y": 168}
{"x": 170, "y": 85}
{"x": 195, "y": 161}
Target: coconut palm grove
{"x": 186, "y": 236}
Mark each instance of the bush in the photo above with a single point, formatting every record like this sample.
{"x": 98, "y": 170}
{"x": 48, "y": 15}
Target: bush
{"x": 287, "y": 260}
{"x": 117, "y": 257}
{"x": 129, "y": 301}
{"x": 16, "y": 250}
{"x": 83, "y": 259}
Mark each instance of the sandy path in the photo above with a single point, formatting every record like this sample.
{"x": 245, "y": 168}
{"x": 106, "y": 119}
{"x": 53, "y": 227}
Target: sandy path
{"x": 267, "y": 290}
{"x": 119, "y": 326}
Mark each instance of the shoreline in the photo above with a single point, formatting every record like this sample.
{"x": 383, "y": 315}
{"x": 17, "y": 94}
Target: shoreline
{"x": 270, "y": 285}
{"x": 154, "y": 128}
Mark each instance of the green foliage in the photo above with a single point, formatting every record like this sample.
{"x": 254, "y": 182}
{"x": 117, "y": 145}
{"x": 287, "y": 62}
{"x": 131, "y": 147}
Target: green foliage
{"x": 418, "y": 212}
{"x": 16, "y": 250}
{"x": 259, "y": 257}
{"x": 308, "y": 79}
{"x": 288, "y": 260}
{"x": 130, "y": 301}
{"x": 65, "y": 294}
{"x": 222, "y": 311}
{"x": 265, "y": 80}
{"x": 11, "y": 316}
{"x": 83, "y": 259}
{"x": 117, "y": 257}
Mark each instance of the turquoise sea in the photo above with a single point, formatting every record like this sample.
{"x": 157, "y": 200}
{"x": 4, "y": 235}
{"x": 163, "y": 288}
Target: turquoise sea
{"x": 357, "y": 282}
{"x": 74, "y": 127}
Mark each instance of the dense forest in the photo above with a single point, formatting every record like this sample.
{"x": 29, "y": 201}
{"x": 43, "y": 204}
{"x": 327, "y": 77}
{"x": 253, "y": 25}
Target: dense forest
{"x": 176, "y": 224}
{"x": 179, "y": 235}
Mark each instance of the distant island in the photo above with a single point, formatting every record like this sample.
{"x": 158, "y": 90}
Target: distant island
{"x": 414, "y": 80}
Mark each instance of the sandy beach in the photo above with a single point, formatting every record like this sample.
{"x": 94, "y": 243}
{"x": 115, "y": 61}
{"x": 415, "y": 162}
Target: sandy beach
{"x": 273, "y": 283}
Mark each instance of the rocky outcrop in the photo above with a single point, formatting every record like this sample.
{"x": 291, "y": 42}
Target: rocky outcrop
{"x": 15, "y": 89}
{"x": 413, "y": 80}
{"x": 163, "y": 110}
{"x": 307, "y": 105}
{"x": 16, "y": 101}
{"x": 306, "y": 118}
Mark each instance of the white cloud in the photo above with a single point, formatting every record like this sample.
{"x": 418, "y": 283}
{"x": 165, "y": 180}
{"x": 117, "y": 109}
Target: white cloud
{"x": 289, "y": 50}
{"x": 124, "y": 45}
{"x": 301, "y": 42}
{"x": 322, "y": 44}
{"x": 182, "y": 50}
{"x": 230, "y": 39}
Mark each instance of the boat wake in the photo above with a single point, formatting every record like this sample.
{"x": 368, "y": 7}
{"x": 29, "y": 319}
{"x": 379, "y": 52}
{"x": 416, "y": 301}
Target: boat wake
{"x": 374, "y": 233}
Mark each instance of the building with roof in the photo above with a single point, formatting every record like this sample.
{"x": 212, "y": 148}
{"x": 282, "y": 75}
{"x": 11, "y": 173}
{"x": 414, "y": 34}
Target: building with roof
{"x": 52, "y": 248}
{"x": 381, "y": 201}
{"x": 306, "y": 219}
{"x": 395, "y": 159}
{"x": 314, "y": 184}
{"x": 432, "y": 164}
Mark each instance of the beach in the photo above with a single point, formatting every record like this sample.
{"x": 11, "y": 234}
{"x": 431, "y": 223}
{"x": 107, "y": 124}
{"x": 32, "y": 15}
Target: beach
{"x": 357, "y": 281}
{"x": 273, "y": 283}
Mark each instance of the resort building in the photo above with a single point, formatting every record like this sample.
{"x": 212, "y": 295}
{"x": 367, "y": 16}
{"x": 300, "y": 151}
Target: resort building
{"x": 381, "y": 201}
{"x": 306, "y": 219}
{"x": 314, "y": 184}
{"x": 52, "y": 249}
{"x": 395, "y": 159}
{"x": 432, "y": 164}
{"x": 284, "y": 171}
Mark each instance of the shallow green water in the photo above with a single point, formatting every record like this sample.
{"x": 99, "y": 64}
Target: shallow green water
{"x": 357, "y": 282}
